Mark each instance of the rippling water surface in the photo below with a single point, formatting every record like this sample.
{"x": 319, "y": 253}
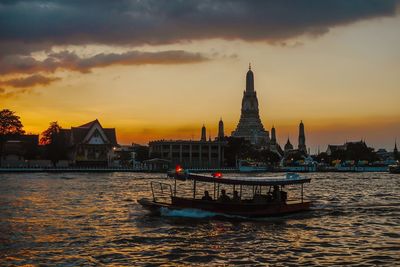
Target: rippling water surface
{"x": 93, "y": 219}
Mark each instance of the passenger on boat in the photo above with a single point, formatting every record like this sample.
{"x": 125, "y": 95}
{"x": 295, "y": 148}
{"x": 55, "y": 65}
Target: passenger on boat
{"x": 236, "y": 196}
{"x": 207, "y": 196}
{"x": 269, "y": 197}
{"x": 279, "y": 195}
{"x": 283, "y": 196}
{"x": 223, "y": 197}
{"x": 276, "y": 194}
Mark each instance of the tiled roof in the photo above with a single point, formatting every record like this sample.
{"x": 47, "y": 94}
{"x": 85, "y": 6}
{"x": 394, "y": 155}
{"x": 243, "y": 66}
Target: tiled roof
{"x": 111, "y": 135}
{"x": 76, "y": 135}
{"x": 89, "y": 124}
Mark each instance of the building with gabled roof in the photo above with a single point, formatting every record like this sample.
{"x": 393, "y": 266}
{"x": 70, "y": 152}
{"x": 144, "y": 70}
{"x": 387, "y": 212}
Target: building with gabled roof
{"x": 89, "y": 144}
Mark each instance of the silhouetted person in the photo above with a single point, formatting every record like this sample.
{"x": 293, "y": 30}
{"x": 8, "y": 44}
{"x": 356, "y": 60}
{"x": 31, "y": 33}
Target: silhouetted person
{"x": 223, "y": 197}
{"x": 236, "y": 196}
{"x": 206, "y": 196}
{"x": 283, "y": 194}
{"x": 276, "y": 194}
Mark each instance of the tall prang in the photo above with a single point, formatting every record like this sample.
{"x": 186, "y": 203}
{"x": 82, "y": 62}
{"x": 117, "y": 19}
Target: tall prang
{"x": 221, "y": 134}
{"x": 273, "y": 136}
{"x": 273, "y": 143}
{"x": 250, "y": 126}
{"x": 203, "y": 134}
{"x": 302, "y": 138}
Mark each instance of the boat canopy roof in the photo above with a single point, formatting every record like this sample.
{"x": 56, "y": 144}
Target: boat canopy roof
{"x": 289, "y": 179}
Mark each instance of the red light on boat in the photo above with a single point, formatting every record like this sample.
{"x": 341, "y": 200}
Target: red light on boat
{"x": 217, "y": 175}
{"x": 178, "y": 168}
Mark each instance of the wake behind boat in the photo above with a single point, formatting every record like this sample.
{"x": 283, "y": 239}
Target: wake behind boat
{"x": 239, "y": 196}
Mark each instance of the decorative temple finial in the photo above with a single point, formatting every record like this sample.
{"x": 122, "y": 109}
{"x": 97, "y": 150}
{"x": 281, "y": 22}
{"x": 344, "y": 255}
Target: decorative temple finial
{"x": 249, "y": 65}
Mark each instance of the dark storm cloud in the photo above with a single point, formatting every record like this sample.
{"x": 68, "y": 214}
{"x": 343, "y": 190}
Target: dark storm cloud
{"x": 135, "y": 22}
{"x": 70, "y": 61}
{"x": 28, "y": 26}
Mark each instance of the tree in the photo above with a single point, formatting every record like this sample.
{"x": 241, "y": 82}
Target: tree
{"x": 54, "y": 143}
{"x": 50, "y": 133}
{"x": 270, "y": 157}
{"x": 10, "y": 124}
{"x": 322, "y": 157}
{"x": 237, "y": 148}
{"x": 142, "y": 153}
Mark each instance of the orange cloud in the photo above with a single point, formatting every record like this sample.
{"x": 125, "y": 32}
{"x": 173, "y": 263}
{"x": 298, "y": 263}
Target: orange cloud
{"x": 4, "y": 94}
{"x": 29, "y": 81}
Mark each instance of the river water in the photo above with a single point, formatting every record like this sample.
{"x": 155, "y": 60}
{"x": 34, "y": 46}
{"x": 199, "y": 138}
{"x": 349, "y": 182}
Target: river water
{"x": 92, "y": 219}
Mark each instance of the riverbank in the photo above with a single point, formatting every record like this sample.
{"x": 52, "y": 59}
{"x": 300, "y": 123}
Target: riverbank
{"x": 37, "y": 170}
{"x": 225, "y": 170}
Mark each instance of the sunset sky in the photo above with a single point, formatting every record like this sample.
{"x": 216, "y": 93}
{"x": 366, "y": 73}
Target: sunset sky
{"x": 160, "y": 69}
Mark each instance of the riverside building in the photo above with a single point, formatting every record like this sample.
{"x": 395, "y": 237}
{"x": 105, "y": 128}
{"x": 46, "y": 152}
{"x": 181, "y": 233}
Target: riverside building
{"x": 201, "y": 153}
{"x": 89, "y": 145}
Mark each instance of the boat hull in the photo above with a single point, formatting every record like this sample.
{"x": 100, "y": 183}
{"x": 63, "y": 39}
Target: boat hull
{"x": 244, "y": 209}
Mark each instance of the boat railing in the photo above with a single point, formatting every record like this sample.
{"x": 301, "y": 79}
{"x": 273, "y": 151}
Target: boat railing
{"x": 161, "y": 192}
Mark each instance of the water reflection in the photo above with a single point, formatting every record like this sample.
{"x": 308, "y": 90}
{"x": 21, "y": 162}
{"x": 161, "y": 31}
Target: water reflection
{"x": 91, "y": 219}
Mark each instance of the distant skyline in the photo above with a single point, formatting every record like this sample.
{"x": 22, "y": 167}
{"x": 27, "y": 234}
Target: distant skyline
{"x": 159, "y": 70}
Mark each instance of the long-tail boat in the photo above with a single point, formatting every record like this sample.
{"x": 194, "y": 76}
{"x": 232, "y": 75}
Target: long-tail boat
{"x": 251, "y": 196}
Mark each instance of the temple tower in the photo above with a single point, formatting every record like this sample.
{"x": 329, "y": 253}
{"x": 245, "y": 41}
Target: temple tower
{"x": 250, "y": 126}
{"x": 203, "y": 134}
{"x": 221, "y": 133}
{"x": 302, "y": 138}
{"x": 273, "y": 136}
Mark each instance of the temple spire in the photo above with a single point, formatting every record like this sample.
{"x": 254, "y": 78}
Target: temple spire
{"x": 273, "y": 135}
{"x": 249, "y": 80}
{"x": 203, "y": 134}
{"x": 395, "y": 151}
{"x": 288, "y": 145}
{"x": 302, "y": 138}
{"x": 221, "y": 133}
